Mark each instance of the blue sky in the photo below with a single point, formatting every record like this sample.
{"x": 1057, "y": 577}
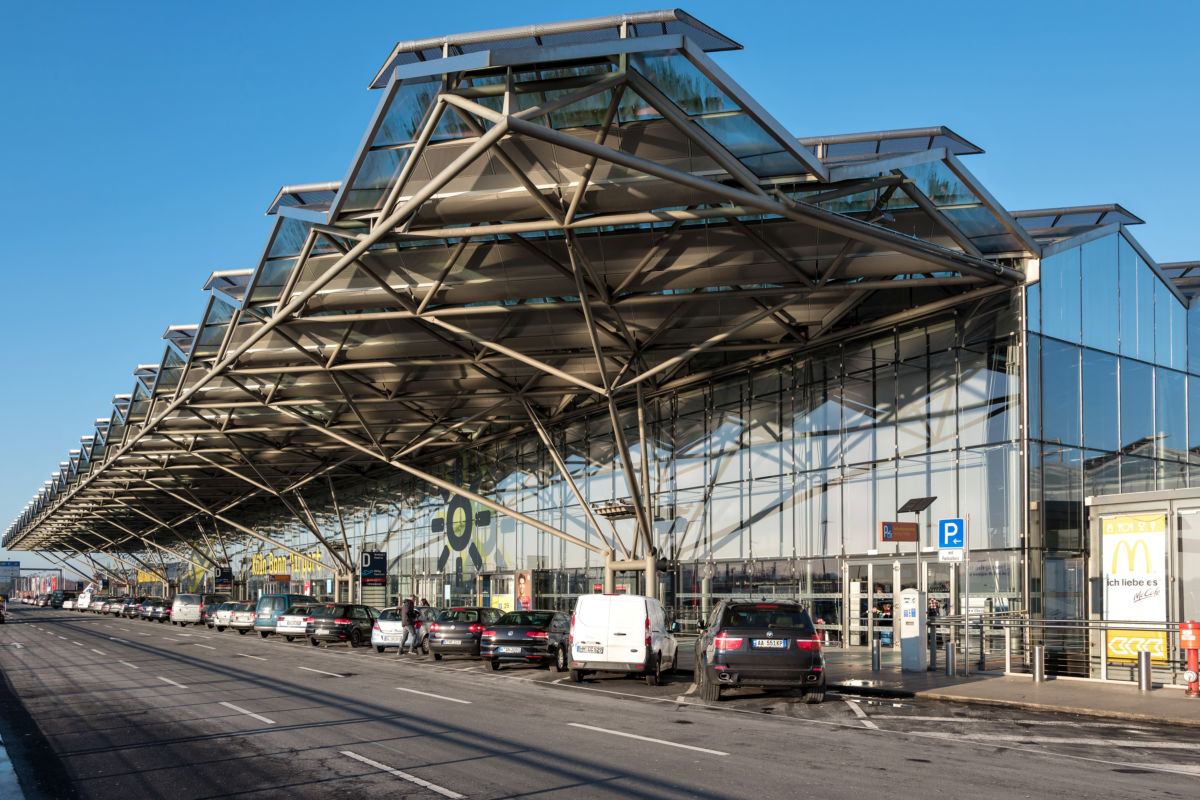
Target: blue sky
{"x": 143, "y": 141}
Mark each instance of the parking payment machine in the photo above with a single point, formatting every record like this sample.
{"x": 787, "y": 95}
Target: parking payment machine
{"x": 914, "y": 649}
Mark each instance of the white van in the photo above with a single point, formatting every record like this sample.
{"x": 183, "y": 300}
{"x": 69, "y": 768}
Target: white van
{"x": 620, "y": 633}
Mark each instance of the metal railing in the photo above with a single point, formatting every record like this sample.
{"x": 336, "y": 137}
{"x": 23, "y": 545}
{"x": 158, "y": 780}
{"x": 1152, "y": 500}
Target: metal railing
{"x": 1104, "y": 650}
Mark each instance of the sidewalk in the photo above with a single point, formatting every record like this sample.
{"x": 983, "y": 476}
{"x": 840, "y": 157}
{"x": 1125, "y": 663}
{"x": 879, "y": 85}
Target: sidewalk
{"x": 849, "y": 672}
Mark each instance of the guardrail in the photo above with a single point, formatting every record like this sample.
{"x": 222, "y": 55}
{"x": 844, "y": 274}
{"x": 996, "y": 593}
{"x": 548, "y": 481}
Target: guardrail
{"x": 1104, "y": 650}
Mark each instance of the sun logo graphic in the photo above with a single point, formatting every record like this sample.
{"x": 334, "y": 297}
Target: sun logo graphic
{"x": 461, "y": 521}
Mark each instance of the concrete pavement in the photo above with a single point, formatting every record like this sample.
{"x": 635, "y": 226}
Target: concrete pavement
{"x": 849, "y": 672}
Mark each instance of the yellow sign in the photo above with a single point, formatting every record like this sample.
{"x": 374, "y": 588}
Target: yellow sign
{"x": 267, "y": 564}
{"x": 1134, "y": 560}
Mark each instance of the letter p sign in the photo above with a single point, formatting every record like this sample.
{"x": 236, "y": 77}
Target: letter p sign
{"x": 951, "y": 532}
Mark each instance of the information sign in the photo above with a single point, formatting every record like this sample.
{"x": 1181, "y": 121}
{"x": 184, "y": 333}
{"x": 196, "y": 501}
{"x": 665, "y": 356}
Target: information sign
{"x": 897, "y": 531}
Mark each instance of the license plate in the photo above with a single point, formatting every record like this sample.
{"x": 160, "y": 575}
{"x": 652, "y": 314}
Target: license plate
{"x": 451, "y": 641}
{"x": 777, "y": 644}
{"x": 510, "y": 649}
{"x": 590, "y": 648}
{"x": 322, "y": 632}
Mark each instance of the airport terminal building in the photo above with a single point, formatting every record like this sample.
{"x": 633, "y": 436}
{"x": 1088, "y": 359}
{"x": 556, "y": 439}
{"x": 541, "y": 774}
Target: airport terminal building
{"x": 583, "y": 316}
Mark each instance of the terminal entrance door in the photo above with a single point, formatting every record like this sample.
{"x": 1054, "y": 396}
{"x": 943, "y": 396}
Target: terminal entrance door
{"x": 870, "y": 596}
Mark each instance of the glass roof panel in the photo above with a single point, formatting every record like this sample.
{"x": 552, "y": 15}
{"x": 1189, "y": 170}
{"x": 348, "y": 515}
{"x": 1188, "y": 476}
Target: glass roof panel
{"x": 677, "y": 78}
{"x": 961, "y": 206}
{"x": 378, "y": 169}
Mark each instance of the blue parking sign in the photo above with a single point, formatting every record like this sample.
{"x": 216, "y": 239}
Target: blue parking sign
{"x": 951, "y": 532}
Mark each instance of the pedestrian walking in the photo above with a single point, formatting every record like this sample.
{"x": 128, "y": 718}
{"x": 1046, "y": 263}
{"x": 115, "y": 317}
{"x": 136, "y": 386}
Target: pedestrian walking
{"x": 408, "y": 618}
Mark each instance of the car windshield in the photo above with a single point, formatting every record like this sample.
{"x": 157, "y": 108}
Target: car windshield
{"x": 330, "y": 611}
{"x": 459, "y": 615}
{"x": 766, "y": 615}
{"x": 534, "y": 618}
{"x": 392, "y": 614}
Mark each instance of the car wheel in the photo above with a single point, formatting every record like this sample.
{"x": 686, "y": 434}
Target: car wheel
{"x": 653, "y": 673}
{"x": 437, "y": 656}
{"x": 290, "y": 638}
{"x": 379, "y": 648}
{"x": 710, "y": 691}
{"x": 577, "y": 675}
{"x": 220, "y": 629}
{"x": 263, "y": 634}
{"x": 355, "y": 638}
{"x": 242, "y": 631}
{"x": 314, "y": 642}
{"x": 560, "y": 660}
{"x": 495, "y": 665}
{"x": 814, "y": 695}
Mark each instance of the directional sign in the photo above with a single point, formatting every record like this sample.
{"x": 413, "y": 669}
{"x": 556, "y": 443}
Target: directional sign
{"x": 951, "y": 532}
{"x": 1127, "y": 644}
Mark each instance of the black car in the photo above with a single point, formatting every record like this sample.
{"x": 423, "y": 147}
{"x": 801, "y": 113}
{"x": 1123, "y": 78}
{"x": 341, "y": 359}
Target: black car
{"x": 767, "y": 644}
{"x": 457, "y": 631}
{"x": 340, "y": 622}
{"x": 529, "y": 637}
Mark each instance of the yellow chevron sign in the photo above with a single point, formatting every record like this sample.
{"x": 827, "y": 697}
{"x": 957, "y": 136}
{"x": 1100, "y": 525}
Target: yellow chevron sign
{"x": 1125, "y": 645}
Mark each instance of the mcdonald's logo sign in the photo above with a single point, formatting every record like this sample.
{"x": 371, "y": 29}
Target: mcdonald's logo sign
{"x": 1131, "y": 551}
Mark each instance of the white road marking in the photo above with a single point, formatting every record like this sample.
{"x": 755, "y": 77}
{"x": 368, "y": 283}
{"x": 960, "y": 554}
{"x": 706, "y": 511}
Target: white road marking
{"x": 168, "y": 680}
{"x": 115, "y": 639}
{"x": 427, "y": 694}
{"x": 648, "y": 739}
{"x": 248, "y": 713}
{"x": 862, "y": 715}
{"x": 98, "y": 652}
{"x": 323, "y": 672}
{"x": 206, "y": 647}
{"x": 63, "y": 638}
{"x": 143, "y": 633}
{"x": 442, "y": 790}
{"x": 1005, "y": 737}
{"x": 131, "y": 666}
{"x": 247, "y": 655}
{"x": 78, "y": 643}
{"x": 170, "y": 638}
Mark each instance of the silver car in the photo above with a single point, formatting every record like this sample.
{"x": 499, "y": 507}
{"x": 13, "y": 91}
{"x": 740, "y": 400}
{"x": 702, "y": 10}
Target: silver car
{"x": 388, "y": 630}
{"x": 221, "y": 617}
{"x": 293, "y": 623}
{"x": 241, "y": 618}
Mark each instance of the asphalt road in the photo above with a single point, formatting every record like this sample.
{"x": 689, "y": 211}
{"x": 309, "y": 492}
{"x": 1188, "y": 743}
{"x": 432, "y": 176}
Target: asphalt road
{"x": 113, "y": 708}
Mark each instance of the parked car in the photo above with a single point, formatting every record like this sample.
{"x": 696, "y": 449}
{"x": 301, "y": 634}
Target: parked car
{"x": 114, "y": 606}
{"x": 129, "y": 608}
{"x": 457, "y": 631}
{"x": 188, "y": 609}
{"x": 209, "y": 608}
{"x": 528, "y": 637}
{"x": 340, "y": 622}
{"x": 293, "y": 623}
{"x": 388, "y": 630}
{"x": 241, "y": 618}
{"x": 146, "y": 607}
{"x": 97, "y": 604}
{"x": 68, "y": 603}
{"x": 621, "y": 633}
{"x": 221, "y": 616}
{"x": 772, "y": 645}
{"x": 161, "y": 610}
{"x": 270, "y": 606}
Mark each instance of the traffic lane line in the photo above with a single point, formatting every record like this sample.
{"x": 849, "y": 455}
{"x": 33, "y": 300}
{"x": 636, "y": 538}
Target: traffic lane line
{"x": 131, "y": 666}
{"x": 248, "y": 713}
{"x": 862, "y": 715}
{"x": 435, "y": 696}
{"x": 205, "y": 646}
{"x": 433, "y": 787}
{"x": 168, "y": 680}
{"x": 323, "y": 672}
{"x": 648, "y": 739}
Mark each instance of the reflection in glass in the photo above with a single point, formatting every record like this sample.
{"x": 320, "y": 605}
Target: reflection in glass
{"x": 1060, "y": 403}
{"x": 1101, "y": 415}
{"x": 1101, "y": 306}
{"x": 1060, "y": 296}
{"x": 1170, "y": 417}
{"x": 1137, "y": 406}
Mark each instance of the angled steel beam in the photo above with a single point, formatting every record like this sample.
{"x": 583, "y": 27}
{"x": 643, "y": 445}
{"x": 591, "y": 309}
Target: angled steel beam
{"x": 944, "y": 222}
{"x": 50, "y": 556}
{"x": 566, "y": 474}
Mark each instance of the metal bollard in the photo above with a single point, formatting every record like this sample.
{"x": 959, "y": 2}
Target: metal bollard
{"x": 1039, "y": 663}
{"x": 876, "y": 656}
{"x": 932, "y": 650}
{"x": 950, "y": 656}
{"x": 1145, "y": 683}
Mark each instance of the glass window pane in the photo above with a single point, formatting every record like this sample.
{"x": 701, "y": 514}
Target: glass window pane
{"x": 1170, "y": 417}
{"x": 1060, "y": 406}
{"x": 1146, "y": 279}
{"x": 1035, "y": 387}
{"x": 1100, "y": 295}
{"x": 1060, "y": 296}
{"x": 1100, "y": 397}
{"x": 677, "y": 78}
{"x": 1163, "y": 300}
{"x": 1033, "y": 306}
{"x": 1193, "y": 338}
{"x": 1137, "y": 407}
{"x": 1062, "y": 497}
{"x": 1193, "y": 392}
{"x": 1127, "y": 267}
{"x": 1178, "y": 335}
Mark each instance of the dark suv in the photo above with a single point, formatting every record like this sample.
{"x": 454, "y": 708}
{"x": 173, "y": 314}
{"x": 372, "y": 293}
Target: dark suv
{"x": 340, "y": 622}
{"x": 768, "y": 644}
